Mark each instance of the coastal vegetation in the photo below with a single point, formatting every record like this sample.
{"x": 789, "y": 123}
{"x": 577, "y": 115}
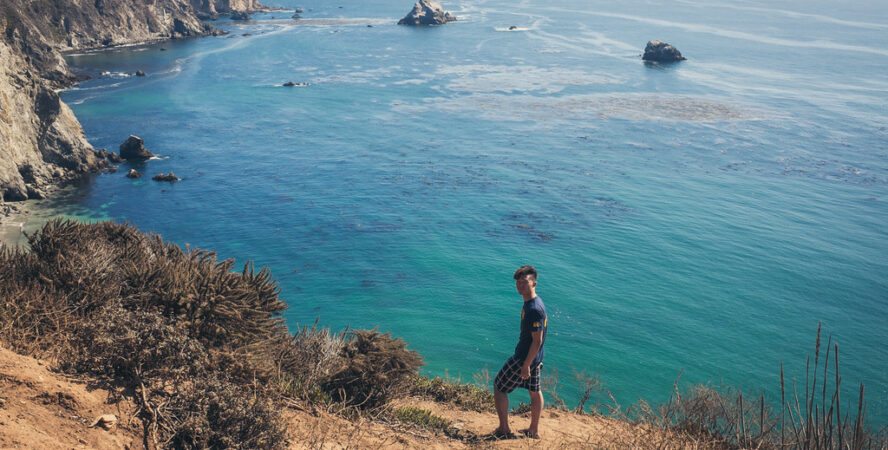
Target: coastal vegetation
{"x": 205, "y": 355}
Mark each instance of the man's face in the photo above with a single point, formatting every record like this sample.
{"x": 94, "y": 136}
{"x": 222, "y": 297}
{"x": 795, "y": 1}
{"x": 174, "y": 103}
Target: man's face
{"x": 524, "y": 285}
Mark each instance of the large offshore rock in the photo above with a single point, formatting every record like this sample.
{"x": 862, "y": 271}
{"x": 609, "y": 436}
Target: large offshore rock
{"x": 134, "y": 148}
{"x": 427, "y": 12}
{"x": 659, "y": 51}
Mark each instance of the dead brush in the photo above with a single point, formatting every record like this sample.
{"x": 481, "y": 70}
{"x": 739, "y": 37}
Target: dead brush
{"x": 373, "y": 369}
{"x": 308, "y": 357}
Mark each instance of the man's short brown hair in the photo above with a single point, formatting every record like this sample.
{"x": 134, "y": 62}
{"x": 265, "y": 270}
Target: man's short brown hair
{"x": 524, "y": 271}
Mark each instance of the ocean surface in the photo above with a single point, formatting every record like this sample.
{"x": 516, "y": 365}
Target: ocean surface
{"x": 698, "y": 218}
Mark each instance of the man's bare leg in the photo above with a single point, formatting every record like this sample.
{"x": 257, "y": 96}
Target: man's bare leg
{"x": 536, "y": 409}
{"x": 502, "y": 410}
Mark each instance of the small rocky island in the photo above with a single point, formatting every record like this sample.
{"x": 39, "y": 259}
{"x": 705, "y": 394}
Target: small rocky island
{"x": 168, "y": 177}
{"x": 659, "y": 51}
{"x": 134, "y": 148}
{"x": 427, "y": 12}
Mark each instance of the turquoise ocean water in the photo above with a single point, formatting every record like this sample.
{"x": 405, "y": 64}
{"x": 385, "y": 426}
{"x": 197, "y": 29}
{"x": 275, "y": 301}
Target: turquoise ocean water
{"x": 702, "y": 217}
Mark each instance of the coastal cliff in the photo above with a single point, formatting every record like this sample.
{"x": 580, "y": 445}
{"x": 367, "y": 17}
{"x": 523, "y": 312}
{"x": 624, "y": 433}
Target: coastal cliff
{"x": 41, "y": 142}
{"x": 211, "y": 8}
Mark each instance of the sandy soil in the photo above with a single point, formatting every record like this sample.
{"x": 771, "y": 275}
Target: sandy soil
{"x": 13, "y": 218}
{"x": 558, "y": 429}
{"x": 42, "y": 409}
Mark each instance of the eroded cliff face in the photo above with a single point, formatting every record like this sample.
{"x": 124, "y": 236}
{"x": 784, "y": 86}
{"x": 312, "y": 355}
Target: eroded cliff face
{"x": 209, "y": 9}
{"x": 41, "y": 142}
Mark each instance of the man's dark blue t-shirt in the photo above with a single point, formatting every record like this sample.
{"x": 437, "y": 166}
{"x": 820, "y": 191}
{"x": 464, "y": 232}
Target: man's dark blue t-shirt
{"x": 533, "y": 318}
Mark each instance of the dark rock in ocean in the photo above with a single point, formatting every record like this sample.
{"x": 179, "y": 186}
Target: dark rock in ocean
{"x": 140, "y": 73}
{"x": 133, "y": 173}
{"x": 427, "y": 12}
{"x": 163, "y": 49}
{"x": 291, "y": 84}
{"x": 240, "y": 15}
{"x": 134, "y": 148}
{"x": 659, "y": 51}
{"x": 298, "y": 11}
{"x": 247, "y": 34}
{"x": 513, "y": 27}
{"x": 170, "y": 177}
{"x": 369, "y": 26}
{"x": 296, "y": 16}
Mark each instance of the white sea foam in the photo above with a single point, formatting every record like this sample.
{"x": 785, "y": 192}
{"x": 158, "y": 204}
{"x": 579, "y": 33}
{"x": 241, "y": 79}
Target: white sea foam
{"x": 360, "y": 76}
{"x": 524, "y": 78}
{"x": 333, "y": 22}
{"x": 733, "y": 34}
{"x": 787, "y": 13}
{"x": 412, "y": 81}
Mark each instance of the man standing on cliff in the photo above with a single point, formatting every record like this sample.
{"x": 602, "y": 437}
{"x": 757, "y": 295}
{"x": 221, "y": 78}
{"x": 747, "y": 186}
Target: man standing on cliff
{"x": 522, "y": 369}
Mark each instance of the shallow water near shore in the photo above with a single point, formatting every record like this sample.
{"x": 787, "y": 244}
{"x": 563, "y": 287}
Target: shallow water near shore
{"x": 702, "y": 217}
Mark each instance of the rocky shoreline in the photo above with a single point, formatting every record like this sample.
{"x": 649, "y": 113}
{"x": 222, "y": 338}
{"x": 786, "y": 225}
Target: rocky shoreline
{"x": 42, "y": 144}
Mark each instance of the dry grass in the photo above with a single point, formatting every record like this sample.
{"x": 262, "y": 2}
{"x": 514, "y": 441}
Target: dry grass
{"x": 726, "y": 418}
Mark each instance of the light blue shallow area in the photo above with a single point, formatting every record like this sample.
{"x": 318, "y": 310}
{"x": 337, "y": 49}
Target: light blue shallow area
{"x": 700, "y": 217}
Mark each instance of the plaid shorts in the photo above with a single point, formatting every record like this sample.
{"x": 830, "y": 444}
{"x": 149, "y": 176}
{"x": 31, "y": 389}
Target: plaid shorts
{"x": 509, "y": 377}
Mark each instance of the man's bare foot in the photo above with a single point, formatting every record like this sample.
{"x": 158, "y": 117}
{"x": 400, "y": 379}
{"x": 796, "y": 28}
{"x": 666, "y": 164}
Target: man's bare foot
{"x": 497, "y": 433}
{"x": 530, "y": 434}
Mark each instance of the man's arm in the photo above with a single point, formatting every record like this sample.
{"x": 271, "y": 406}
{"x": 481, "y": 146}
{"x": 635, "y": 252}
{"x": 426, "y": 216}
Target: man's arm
{"x": 537, "y": 337}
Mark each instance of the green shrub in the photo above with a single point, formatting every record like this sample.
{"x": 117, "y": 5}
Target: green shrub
{"x": 422, "y": 418}
{"x": 466, "y": 396}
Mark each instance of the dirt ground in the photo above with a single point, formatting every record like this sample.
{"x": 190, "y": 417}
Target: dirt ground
{"x": 558, "y": 430}
{"x": 44, "y": 409}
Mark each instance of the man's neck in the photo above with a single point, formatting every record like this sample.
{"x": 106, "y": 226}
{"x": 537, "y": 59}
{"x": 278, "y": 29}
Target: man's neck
{"x": 530, "y": 296}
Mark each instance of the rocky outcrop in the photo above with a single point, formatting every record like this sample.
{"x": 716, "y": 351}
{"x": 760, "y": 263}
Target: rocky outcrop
{"x": 210, "y": 9}
{"x": 168, "y": 177}
{"x": 134, "y": 148}
{"x": 133, "y": 173}
{"x": 41, "y": 142}
{"x": 659, "y": 51}
{"x": 427, "y": 12}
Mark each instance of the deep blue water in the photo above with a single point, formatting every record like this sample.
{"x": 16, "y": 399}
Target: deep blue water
{"x": 702, "y": 217}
